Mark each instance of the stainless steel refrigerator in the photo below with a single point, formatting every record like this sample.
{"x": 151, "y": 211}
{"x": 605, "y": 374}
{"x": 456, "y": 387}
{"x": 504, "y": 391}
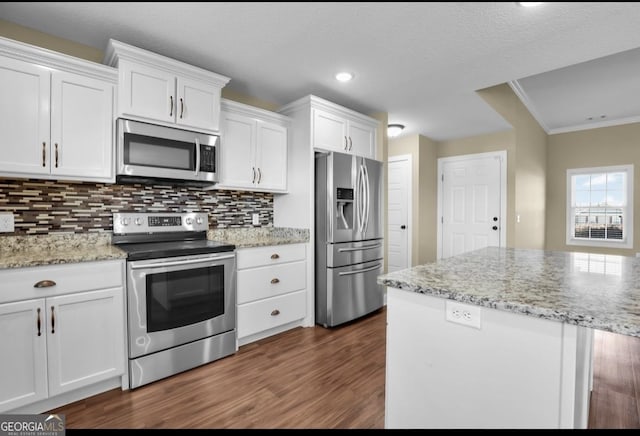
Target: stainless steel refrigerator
{"x": 348, "y": 237}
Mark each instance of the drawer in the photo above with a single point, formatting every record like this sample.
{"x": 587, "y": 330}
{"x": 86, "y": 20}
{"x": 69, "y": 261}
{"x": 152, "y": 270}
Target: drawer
{"x": 18, "y": 283}
{"x": 269, "y": 281}
{"x": 273, "y": 312}
{"x": 271, "y": 255}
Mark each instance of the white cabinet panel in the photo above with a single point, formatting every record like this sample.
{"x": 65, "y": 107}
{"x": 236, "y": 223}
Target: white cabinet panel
{"x": 23, "y": 341}
{"x": 86, "y": 338}
{"x": 198, "y": 104}
{"x": 362, "y": 139}
{"x": 146, "y": 92}
{"x": 273, "y": 312}
{"x": 329, "y": 131}
{"x": 258, "y": 283}
{"x": 253, "y": 149}
{"x": 269, "y": 255}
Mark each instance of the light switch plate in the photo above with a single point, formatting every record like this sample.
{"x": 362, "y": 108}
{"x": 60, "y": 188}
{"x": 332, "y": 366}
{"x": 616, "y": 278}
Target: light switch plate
{"x": 6, "y": 222}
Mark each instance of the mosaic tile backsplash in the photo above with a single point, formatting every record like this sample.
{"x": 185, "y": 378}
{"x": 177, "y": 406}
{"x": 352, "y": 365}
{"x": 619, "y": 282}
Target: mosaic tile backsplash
{"x": 48, "y": 206}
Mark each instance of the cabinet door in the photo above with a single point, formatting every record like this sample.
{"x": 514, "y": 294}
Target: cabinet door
{"x": 24, "y": 117}
{"x": 198, "y": 104}
{"x": 271, "y": 156}
{"x": 81, "y": 127}
{"x": 23, "y": 366}
{"x": 329, "y": 131}
{"x": 362, "y": 139}
{"x": 85, "y": 338}
{"x": 147, "y": 92}
{"x": 237, "y": 151}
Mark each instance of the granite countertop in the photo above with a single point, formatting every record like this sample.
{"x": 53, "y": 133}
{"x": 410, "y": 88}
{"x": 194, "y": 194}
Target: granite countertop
{"x": 59, "y": 248}
{"x": 38, "y": 250}
{"x": 590, "y": 290}
{"x": 259, "y": 236}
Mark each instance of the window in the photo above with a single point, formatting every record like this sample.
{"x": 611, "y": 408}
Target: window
{"x": 600, "y": 206}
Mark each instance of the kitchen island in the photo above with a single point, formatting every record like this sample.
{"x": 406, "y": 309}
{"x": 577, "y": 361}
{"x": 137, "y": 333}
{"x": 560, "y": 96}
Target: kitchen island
{"x": 502, "y": 338}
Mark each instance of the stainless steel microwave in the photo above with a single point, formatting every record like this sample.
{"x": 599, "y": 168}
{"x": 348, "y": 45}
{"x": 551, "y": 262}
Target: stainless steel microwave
{"x": 151, "y": 153}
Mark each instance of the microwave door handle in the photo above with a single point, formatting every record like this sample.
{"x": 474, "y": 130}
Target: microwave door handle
{"x": 197, "y": 156}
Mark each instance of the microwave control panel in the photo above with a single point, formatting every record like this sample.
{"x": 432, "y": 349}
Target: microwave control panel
{"x": 207, "y": 158}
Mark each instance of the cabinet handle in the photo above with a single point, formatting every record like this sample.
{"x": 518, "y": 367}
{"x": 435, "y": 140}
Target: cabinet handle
{"x": 275, "y": 256}
{"x": 53, "y": 321}
{"x": 171, "y": 105}
{"x": 274, "y": 281}
{"x": 44, "y": 284}
{"x": 350, "y": 143}
{"x": 345, "y": 143}
{"x": 181, "y": 107}
{"x": 259, "y": 175}
{"x": 275, "y": 312}
{"x": 56, "y": 145}
{"x": 44, "y": 153}
{"x": 253, "y": 171}
{"x": 39, "y": 323}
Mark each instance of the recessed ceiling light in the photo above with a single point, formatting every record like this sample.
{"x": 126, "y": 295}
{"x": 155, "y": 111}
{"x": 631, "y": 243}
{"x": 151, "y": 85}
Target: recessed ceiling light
{"x": 344, "y": 76}
{"x": 529, "y": 4}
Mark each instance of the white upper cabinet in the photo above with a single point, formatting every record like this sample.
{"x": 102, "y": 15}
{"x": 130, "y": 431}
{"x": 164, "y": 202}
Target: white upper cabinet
{"x": 155, "y": 88}
{"x": 57, "y": 115}
{"x": 336, "y": 128}
{"x": 253, "y": 153}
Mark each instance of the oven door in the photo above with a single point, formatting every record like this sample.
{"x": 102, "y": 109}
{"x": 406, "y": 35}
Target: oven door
{"x": 176, "y": 300}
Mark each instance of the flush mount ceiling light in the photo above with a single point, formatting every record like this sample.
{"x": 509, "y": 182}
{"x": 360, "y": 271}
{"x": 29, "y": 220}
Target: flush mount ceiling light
{"x": 344, "y": 76}
{"x": 529, "y": 4}
{"x": 394, "y": 130}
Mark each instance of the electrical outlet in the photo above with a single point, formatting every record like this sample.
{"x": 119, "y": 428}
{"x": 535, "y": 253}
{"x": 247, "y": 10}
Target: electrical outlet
{"x": 6, "y": 222}
{"x": 464, "y": 314}
{"x": 255, "y": 219}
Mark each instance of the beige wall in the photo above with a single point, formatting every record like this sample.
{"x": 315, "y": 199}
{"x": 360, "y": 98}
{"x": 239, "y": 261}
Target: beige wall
{"x": 35, "y": 37}
{"x": 530, "y": 160}
{"x": 484, "y": 144}
{"x": 423, "y": 192}
{"x": 605, "y": 146}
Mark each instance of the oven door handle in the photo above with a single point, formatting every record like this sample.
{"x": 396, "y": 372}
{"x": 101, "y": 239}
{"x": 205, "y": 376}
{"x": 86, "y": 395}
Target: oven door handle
{"x": 180, "y": 262}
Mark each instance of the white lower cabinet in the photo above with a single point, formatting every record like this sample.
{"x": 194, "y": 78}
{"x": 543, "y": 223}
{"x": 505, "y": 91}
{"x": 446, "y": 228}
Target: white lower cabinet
{"x": 271, "y": 290}
{"x": 70, "y": 338}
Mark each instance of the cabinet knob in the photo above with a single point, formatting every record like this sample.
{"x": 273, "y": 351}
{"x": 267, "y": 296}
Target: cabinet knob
{"x": 275, "y": 312}
{"x": 44, "y": 284}
{"x": 274, "y": 281}
{"x": 275, "y": 256}
{"x": 495, "y": 227}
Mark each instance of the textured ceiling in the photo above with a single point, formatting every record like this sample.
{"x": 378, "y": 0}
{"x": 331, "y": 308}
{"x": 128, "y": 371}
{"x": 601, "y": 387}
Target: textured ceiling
{"x": 421, "y": 62}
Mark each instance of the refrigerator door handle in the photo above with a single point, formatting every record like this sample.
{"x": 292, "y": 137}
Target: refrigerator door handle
{"x": 349, "y": 273}
{"x": 359, "y": 199}
{"x": 367, "y": 199}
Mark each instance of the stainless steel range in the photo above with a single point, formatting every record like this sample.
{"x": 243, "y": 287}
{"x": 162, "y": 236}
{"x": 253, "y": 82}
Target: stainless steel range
{"x": 181, "y": 293}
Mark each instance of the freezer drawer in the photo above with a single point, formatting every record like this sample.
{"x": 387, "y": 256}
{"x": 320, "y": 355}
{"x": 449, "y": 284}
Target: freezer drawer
{"x": 350, "y": 253}
{"x": 350, "y": 292}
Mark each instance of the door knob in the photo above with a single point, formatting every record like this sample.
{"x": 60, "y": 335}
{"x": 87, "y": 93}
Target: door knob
{"x": 403, "y": 227}
{"x": 495, "y": 218}
{"x": 495, "y": 227}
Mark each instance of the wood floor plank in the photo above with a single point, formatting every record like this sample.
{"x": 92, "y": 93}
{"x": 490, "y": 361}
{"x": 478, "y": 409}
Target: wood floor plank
{"x": 317, "y": 378}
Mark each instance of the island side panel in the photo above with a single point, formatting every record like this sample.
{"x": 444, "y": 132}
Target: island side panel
{"x": 516, "y": 371}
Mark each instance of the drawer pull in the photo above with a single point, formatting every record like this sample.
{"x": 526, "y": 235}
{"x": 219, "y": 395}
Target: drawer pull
{"x": 44, "y": 284}
{"x": 39, "y": 323}
{"x": 275, "y": 256}
{"x": 274, "y": 281}
{"x": 275, "y": 312}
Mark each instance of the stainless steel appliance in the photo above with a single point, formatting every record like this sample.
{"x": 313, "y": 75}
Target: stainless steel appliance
{"x": 348, "y": 237}
{"x": 151, "y": 153}
{"x": 181, "y": 293}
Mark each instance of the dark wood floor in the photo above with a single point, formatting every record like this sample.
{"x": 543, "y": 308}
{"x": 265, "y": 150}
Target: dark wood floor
{"x": 318, "y": 378}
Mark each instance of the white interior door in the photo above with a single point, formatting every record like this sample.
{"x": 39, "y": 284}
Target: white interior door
{"x": 471, "y": 203}
{"x": 399, "y": 213}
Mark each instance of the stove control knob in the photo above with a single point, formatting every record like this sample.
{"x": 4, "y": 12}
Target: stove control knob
{"x": 198, "y": 220}
{"x": 189, "y": 221}
{"x": 138, "y": 221}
